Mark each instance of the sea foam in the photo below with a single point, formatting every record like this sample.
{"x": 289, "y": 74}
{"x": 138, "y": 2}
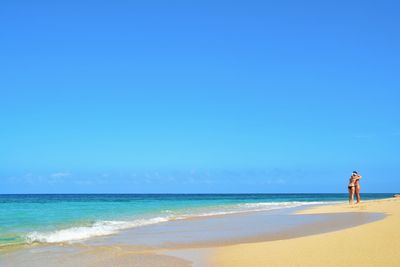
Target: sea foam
{"x": 100, "y": 228}
{"x": 103, "y": 228}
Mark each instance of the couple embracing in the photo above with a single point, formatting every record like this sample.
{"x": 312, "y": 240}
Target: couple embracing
{"x": 354, "y": 187}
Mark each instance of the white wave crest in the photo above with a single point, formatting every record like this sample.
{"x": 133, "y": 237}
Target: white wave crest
{"x": 280, "y": 205}
{"x": 100, "y": 228}
{"x": 103, "y": 228}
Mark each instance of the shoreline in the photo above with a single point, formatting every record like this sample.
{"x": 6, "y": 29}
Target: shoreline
{"x": 77, "y": 232}
{"x": 35, "y": 227}
{"x": 200, "y": 253}
{"x": 128, "y": 224}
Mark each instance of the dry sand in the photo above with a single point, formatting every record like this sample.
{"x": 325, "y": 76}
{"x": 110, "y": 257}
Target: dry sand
{"x": 372, "y": 244}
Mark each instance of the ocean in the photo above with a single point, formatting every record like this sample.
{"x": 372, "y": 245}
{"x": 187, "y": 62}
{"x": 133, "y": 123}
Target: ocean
{"x": 57, "y": 218}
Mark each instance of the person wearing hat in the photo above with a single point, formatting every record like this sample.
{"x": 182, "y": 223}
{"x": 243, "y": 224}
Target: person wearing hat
{"x": 354, "y": 187}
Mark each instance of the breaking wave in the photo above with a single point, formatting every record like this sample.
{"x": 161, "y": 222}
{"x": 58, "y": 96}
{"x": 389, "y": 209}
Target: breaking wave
{"x": 109, "y": 227}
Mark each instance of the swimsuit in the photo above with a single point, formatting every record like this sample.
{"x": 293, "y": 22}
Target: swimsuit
{"x": 352, "y": 183}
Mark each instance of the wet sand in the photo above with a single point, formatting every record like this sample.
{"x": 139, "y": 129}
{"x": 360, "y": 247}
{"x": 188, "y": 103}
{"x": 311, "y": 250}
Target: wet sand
{"x": 233, "y": 229}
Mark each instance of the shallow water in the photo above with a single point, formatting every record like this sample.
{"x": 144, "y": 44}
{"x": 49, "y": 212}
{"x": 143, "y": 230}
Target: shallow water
{"x": 27, "y": 219}
{"x": 166, "y": 244}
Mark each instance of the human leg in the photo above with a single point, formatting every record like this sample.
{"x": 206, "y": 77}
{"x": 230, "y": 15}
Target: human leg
{"x": 351, "y": 195}
{"x": 357, "y": 191}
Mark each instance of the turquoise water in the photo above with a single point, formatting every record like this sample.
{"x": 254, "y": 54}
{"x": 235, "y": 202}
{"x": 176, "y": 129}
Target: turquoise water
{"x": 28, "y": 219}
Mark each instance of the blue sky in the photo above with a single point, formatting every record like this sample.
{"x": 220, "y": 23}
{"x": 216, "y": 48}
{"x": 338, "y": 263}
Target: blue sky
{"x": 201, "y": 96}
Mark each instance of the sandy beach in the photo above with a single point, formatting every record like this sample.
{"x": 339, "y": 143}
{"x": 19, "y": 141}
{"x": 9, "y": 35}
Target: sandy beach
{"x": 372, "y": 244}
{"x": 330, "y": 235}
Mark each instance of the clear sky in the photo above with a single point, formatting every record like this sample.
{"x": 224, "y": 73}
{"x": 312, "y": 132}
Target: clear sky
{"x": 199, "y": 96}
